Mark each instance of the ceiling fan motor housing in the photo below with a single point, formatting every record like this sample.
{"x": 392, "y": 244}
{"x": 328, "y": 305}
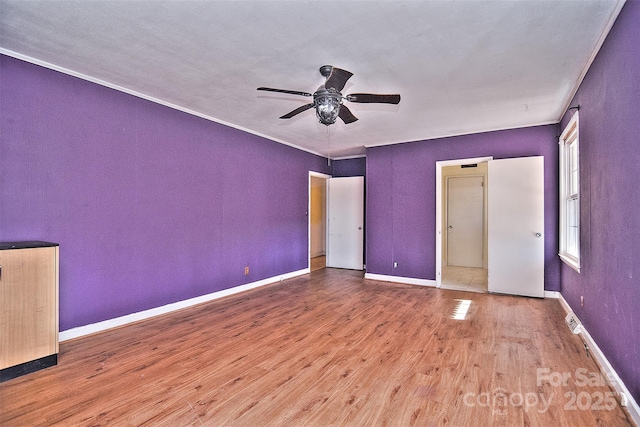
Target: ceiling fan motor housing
{"x": 325, "y": 70}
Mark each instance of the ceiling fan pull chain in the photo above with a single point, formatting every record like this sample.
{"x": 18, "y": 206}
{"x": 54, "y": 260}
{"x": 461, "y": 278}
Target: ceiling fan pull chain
{"x": 329, "y": 147}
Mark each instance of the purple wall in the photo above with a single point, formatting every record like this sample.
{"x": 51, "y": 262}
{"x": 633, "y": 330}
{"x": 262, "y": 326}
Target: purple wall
{"x": 609, "y": 278}
{"x": 349, "y": 167}
{"x": 149, "y": 205}
{"x": 401, "y": 194}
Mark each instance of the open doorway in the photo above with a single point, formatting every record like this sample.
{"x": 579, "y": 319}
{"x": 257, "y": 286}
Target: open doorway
{"x": 336, "y": 222}
{"x": 317, "y": 220}
{"x": 461, "y": 222}
{"x": 464, "y": 257}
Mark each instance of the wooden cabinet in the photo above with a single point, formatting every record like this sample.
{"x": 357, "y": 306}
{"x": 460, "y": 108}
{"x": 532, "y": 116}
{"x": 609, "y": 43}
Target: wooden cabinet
{"x": 28, "y": 307}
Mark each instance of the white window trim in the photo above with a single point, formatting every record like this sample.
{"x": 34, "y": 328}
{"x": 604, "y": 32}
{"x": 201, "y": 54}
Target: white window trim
{"x": 572, "y": 127}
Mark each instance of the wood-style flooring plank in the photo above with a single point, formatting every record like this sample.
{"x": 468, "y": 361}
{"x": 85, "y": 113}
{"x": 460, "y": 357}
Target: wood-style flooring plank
{"x": 325, "y": 349}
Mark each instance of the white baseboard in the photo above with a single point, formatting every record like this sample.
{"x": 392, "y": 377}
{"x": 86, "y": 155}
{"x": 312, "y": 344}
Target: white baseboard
{"x": 398, "y": 279}
{"x": 607, "y": 370}
{"x": 134, "y": 317}
{"x": 565, "y": 305}
{"x": 551, "y": 294}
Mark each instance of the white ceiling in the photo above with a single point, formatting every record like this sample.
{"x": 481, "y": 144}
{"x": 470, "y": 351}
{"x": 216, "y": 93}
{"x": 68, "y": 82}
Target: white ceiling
{"x": 460, "y": 66}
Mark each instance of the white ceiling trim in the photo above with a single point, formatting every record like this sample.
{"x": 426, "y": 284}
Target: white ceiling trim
{"x": 605, "y": 32}
{"x": 147, "y": 98}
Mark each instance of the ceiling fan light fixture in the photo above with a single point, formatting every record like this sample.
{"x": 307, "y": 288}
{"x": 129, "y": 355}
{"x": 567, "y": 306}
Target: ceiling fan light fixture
{"x": 327, "y": 102}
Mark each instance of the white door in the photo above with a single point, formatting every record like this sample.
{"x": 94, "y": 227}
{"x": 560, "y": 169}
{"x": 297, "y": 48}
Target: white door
{"x": 465, "y": 207}
{"x": 345, "y": 242}
{"x": 516, "y": 226}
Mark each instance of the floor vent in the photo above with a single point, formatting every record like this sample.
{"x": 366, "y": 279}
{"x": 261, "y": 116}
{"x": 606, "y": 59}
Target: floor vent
{"x": 573, "y": 323}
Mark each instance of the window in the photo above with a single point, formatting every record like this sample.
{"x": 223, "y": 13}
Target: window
{"x": 570, "y": 195}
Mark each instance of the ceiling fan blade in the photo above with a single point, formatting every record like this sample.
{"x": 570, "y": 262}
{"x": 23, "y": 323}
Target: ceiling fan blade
{"x": 346, "y": 115}
{"x": 337, "y": 79}
{"x": 292, "y": 92}
{"x": 298, "y": 111}
{"x": 373, "y": 98}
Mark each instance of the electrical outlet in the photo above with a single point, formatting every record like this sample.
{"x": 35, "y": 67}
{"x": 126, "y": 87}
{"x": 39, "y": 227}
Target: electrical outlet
{"x": 574, "y": 324}
{"x": 395, "y": 264}
{"x": 246, "y": 271}
{"x": 581, "y": 301}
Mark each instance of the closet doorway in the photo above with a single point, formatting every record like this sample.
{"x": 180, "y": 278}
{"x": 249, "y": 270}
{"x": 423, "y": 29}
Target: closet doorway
{"x": 513, "y": 228}
{"x": 461, "y": 212}
{"x": 465, "y": 224}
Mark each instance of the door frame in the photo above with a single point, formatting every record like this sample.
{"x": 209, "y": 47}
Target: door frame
{"x": 440, "y": 203}
{"x": 326, "y": 220}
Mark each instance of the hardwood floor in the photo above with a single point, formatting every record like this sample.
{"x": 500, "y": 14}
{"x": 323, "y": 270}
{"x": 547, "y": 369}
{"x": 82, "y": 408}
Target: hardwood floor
{"x": 325, "y": 349}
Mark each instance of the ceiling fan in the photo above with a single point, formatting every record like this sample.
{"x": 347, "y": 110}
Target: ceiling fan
{"x": 328, "y": 100}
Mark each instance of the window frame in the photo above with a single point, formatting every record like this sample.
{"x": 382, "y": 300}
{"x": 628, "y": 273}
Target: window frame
{"x": 569, "y": 189}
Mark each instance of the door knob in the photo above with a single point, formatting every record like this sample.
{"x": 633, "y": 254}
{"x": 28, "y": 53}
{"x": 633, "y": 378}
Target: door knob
{"x": 451, "y": 226}
{"x": 538, "y": 234}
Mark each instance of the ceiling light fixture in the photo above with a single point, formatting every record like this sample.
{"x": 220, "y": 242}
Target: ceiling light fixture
{"x": 327, "y": 100}
{"x": 327, "y": 103}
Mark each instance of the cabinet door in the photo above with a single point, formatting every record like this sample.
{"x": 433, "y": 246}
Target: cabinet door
{"x": 28, "y": 305}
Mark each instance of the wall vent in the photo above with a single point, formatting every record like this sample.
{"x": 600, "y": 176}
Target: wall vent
{"x": 573, "y": 323}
